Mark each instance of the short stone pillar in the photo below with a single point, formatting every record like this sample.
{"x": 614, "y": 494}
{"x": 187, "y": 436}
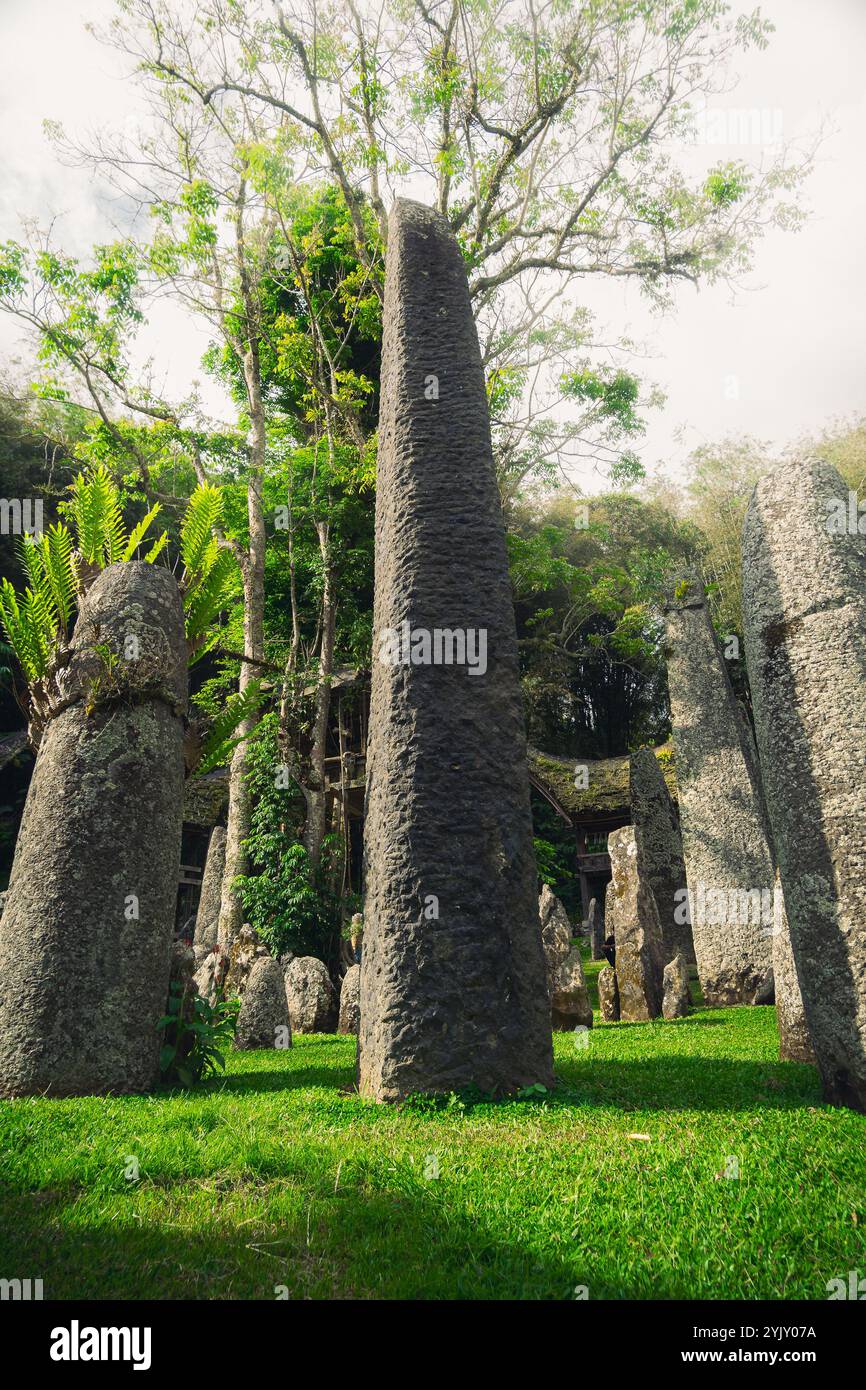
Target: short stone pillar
{"x": 677, "y": 997}
{"x": 608, "y": 994}
{"x": 804, "y": 616}
{"x": 728, "y": 862}
{"x": 453, "y": 990}
{"x": 85, "y": 941}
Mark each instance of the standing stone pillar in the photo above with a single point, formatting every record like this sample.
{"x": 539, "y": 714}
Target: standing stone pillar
{"x": 804, "y": 613}
{"x": 631, "y": 914}
{"x": 660, "y": 851}
{"x": 208, "y": 915}
{"x": 85, "y": 941}
{"x": 453, "y": 989}
{"x": 728, "y": 861}
{"x": 595, "y": 927}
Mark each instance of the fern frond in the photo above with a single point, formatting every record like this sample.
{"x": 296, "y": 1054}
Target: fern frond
{"x": 59, "y": 565}
{"x": 15, "y": 629}
{"x": 198, "y": 547}
{"x": 40, "y": 624}
{"x": 156, "y": 549}
{"x": 114, "y": 538}
{"x": 97, "y": 517}
{"x": 211, "y": 595}
{"x": 33, "y": 555}
{"x": 138, "y": 532}
{"x": 219, "y": 745}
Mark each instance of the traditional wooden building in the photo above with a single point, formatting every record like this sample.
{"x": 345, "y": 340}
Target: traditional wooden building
{"x": 593, "y": 802}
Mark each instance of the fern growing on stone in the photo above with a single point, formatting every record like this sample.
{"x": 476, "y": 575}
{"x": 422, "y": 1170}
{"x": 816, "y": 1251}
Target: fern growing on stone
{"x": 61, "y": 564}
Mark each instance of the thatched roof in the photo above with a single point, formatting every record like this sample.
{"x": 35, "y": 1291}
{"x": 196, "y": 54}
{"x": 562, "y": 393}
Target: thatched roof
{"x": 607, "y": 790}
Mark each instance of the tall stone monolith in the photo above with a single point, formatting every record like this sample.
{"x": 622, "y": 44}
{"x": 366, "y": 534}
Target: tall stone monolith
{"x": 453, "y": 989}
{"x": 728, "y": 861}
{"x": 85, "y": 941}
{"x": 660, "y": 851}
{"x": 208, "y": 915}
{"x": 595, "y": 928}
{"x": 631, "y": 914}
{"x": 804, "y": 614}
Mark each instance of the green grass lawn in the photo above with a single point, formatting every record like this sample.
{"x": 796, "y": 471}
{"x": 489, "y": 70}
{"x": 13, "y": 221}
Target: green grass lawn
{"x": 277, "y": 1175}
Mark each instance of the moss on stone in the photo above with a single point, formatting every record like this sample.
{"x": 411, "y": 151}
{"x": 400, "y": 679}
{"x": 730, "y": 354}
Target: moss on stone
{"x": 607, "y": 790}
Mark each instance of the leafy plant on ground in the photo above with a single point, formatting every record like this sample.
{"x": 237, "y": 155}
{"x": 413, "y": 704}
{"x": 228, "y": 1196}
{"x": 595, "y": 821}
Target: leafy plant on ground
{"x": 196, "y": 1032}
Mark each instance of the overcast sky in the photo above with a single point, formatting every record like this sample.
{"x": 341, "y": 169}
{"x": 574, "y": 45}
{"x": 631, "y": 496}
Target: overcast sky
{"x": 785, "y": 357}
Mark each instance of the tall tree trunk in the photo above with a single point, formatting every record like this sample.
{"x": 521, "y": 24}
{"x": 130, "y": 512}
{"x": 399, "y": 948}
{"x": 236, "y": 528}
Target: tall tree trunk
{"x": 316, "y": 791}
{"x": 240, "y": 801}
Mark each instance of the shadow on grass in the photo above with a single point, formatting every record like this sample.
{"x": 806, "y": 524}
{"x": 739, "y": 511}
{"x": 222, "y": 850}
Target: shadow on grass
{"x": 686, "y": 1083}
{"x": 390, "y": 1244}
{"x": 332, "y": 1078}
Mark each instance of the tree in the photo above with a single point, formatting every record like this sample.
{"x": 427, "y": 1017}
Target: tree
{"x": 544, "y": 133}
{"x": 588, "y": 581}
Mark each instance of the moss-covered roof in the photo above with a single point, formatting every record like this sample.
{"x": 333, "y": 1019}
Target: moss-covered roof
{"x": 205, "y": 798}
{"x": 607, "y": 790}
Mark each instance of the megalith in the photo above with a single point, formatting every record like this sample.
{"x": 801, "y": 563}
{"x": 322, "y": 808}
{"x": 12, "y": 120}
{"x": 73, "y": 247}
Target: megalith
{"x": 566, "y": 983}
{"x": 728, "y": 861}
{"x": 676, "y": 995}
{"x": 452, "y": 977}
{"x": 794, "y": 1042}
{"x": 608, "y": 994}
{"x": 660, "y": 851}
{"x": 804, "y": 615}
{"x": 208, "y": 914}
{"x": 631, "y": 914}
{"x": 263, "y": 1018}
{"x": 350, "y": 1001}
{"x": 312, "y": 1000}
{"x": 595, "y": 928}
{"x": 85, "y": 941}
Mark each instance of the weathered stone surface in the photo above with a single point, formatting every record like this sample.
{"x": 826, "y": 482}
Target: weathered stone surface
{"x": 87, "y": 931}
{"x": 767, "y": 992}
{"x": 245, "y": 951}
{"x": 633, "y": 917}
{"x": 311, "y": 997}
{"x": 794, "y": 1042}
{"x": 569, "y": 1000}
{"x": 182, "y": 965}
{"x": 263, "y": 1020}
{"x": 728, "y": 860}
{"x": 677, "y": 997}
{"x": 595, "y": 929}
{"x": 555, "y": 929}
{"x": 608, "y": 994}
{"x": 804, "y": 614}
{"x": 208, "y": 915}
{"x": 660, "y": 850}
{"x": 453, "y": 977}
{"x": 350, "y": 1001}
{"x": 210, "y": 973}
